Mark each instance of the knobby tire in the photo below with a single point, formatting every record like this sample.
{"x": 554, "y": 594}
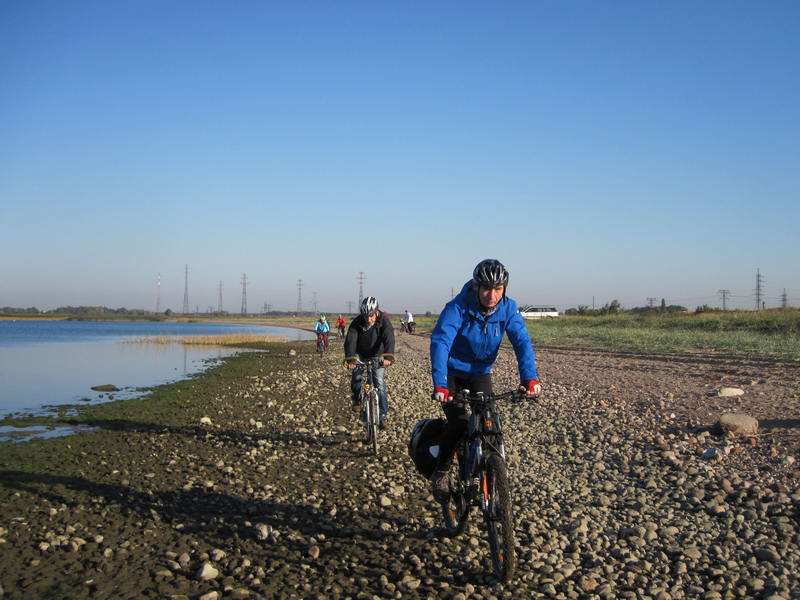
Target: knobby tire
{"x": 373, "y": 422}
{"x": 499, "y": 517}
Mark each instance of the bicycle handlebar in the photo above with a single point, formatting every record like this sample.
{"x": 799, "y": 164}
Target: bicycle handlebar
{"x": 376, "y": 362}
{"x": 465, "y": 397}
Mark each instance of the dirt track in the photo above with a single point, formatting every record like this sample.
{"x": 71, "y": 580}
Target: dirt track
{"x": 613, "y": 498}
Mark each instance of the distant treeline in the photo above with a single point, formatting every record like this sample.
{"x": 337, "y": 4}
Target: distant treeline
{"x": 614, "y": 308}
{"x": 81, "y": 312}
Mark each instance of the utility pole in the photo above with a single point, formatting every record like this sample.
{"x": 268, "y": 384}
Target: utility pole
{"x": 651, "y": 301}
{"x": 314, "y": 301}
{"x": 724, "y": 294}
{"x": 360, "y": 279}
{"x": 592, "y": 302}
{"x": 452, "y": 293}
{"x": 299, "y": 296}
{"x": 158, "y": 294}
{"x": 349, "y": 307}
{"x": 267, "y": 308}
{"x": 244, "y": 294}
{"x": 784, "y": 299}
{"x": 186, "y": 291}
{"x": 759, "y": 290}
{"x": 219, "y": 304}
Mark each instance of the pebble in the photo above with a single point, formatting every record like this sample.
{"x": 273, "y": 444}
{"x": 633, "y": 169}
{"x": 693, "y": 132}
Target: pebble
{"x": 207, "y": 572}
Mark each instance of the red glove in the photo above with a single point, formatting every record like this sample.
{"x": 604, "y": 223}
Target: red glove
{"x": 533, "y": 387}
{"x": 441, "y": 394}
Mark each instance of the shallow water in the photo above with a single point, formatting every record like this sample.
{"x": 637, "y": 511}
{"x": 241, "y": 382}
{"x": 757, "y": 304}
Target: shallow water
{"x": 46, "y": 364}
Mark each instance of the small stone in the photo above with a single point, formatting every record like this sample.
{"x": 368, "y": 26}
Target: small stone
{"x": 207, "y": 572}
{"x": 262, "y": 531}
{"x": 217, "y": 554}
{"x": 767, "y": 555}
{"x": 313, "y": 552}
{"x": 205, "y": 421}
{"x": 693, "y": 553}
{"x": 737, "y": 424}
{"x": 385, "y": 501}
{"x": 213, "y": 595}
{"x": 729, "y": 392}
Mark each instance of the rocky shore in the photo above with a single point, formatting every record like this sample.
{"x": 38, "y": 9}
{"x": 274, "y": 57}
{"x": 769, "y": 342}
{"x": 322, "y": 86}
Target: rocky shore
{"x": 251, "y": 481}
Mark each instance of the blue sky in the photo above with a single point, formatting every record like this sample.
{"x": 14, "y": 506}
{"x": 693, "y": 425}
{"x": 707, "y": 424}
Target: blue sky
{"x": 615, "y": 150}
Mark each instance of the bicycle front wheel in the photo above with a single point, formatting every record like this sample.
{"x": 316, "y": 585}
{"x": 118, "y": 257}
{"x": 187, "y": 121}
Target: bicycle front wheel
{"x": 499, "y": 516}
{"x": 373, "y": 422}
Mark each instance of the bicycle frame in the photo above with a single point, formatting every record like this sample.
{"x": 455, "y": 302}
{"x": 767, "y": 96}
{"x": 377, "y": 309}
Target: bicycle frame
{"x": 484, "y": 433}
{"x": 370, "y": 400}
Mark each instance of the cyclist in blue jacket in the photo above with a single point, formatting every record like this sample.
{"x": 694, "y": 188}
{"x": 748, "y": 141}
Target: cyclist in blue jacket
{"x": 464, "y": 347}
{"x": 322, "y": 329}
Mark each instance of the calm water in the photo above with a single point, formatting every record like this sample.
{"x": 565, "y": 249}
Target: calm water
{"x": 50, "y": 363}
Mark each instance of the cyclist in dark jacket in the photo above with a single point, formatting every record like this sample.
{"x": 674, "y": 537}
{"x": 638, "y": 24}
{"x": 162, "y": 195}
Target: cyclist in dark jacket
{"x": 370, "y": 335}
{"x": 464, "y": 347}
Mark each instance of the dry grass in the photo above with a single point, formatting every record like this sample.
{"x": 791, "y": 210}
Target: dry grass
{"x": 209, "y": 340}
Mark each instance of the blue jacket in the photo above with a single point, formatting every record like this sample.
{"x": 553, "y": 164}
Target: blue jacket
{"x": 322, "y": 327}
{"x": 465, "y": 342}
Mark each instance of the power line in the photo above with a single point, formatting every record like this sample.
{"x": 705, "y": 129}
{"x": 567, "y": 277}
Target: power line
{"x": 186, "y": 291}
{"x": 360, "y": 279}
{"x": 349, "y": 307}
{"x": 759, "y": 288}
{"x": 299, "y": 296}
{"x": 158, "y": 294}
{"x": 724, "y": 294}
{"x": 651, "y": 301}
{"x": 244, "y": 294}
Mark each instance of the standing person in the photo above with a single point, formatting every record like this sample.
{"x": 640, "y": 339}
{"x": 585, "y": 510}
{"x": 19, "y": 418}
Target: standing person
{"x": 370, "y": 335}
{"x": 410, "y": 322}
{"x": 340, "y": 325}
{"x": 322, "y": 329}
{"x": 464, "y": 346}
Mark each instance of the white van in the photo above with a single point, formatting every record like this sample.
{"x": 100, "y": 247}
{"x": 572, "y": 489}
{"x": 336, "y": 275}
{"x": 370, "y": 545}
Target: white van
{"x": 529, "y": 311}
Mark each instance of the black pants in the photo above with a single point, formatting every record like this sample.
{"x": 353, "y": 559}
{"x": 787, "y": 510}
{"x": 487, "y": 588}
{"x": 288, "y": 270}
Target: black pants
{"x": 457, "y": 416}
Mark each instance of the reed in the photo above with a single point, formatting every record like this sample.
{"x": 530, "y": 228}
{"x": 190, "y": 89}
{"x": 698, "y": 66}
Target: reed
{"x": 208, "y": 340}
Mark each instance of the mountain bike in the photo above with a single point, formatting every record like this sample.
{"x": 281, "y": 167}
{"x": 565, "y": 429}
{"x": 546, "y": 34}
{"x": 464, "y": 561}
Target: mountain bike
{"x": 369, "y": 402}
{"x": 322, "y": 342}
{"x": 479, "y": 478}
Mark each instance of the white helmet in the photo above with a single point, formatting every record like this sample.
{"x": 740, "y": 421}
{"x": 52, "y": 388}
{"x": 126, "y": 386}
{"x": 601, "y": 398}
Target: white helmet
{"x": 368, "y": 306}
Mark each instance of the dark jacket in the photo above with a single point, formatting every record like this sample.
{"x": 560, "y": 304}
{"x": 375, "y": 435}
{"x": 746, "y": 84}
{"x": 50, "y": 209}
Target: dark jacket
{"x": 465, "y": 341}
{"x": 364, "y": 343}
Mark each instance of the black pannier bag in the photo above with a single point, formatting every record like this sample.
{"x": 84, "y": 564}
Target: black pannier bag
{"x": 423, "y": 447}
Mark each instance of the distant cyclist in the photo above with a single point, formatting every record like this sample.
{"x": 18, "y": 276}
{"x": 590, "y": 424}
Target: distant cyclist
{"x": 370, "y": 335}
{"x": 409, "y": 319}
{"x": 464, "y": 347}
{"x": 322, "y": 330}
{"x": 340, "y": 325}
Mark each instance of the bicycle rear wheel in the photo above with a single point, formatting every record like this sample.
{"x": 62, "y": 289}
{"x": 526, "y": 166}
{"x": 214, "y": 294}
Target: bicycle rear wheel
{"x": 499, "y": 516}
{"x": 456, "y": 509}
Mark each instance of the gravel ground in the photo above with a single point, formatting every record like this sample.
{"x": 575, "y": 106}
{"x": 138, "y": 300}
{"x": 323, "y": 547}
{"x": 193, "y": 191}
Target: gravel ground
{"x": 278, "y": 497}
